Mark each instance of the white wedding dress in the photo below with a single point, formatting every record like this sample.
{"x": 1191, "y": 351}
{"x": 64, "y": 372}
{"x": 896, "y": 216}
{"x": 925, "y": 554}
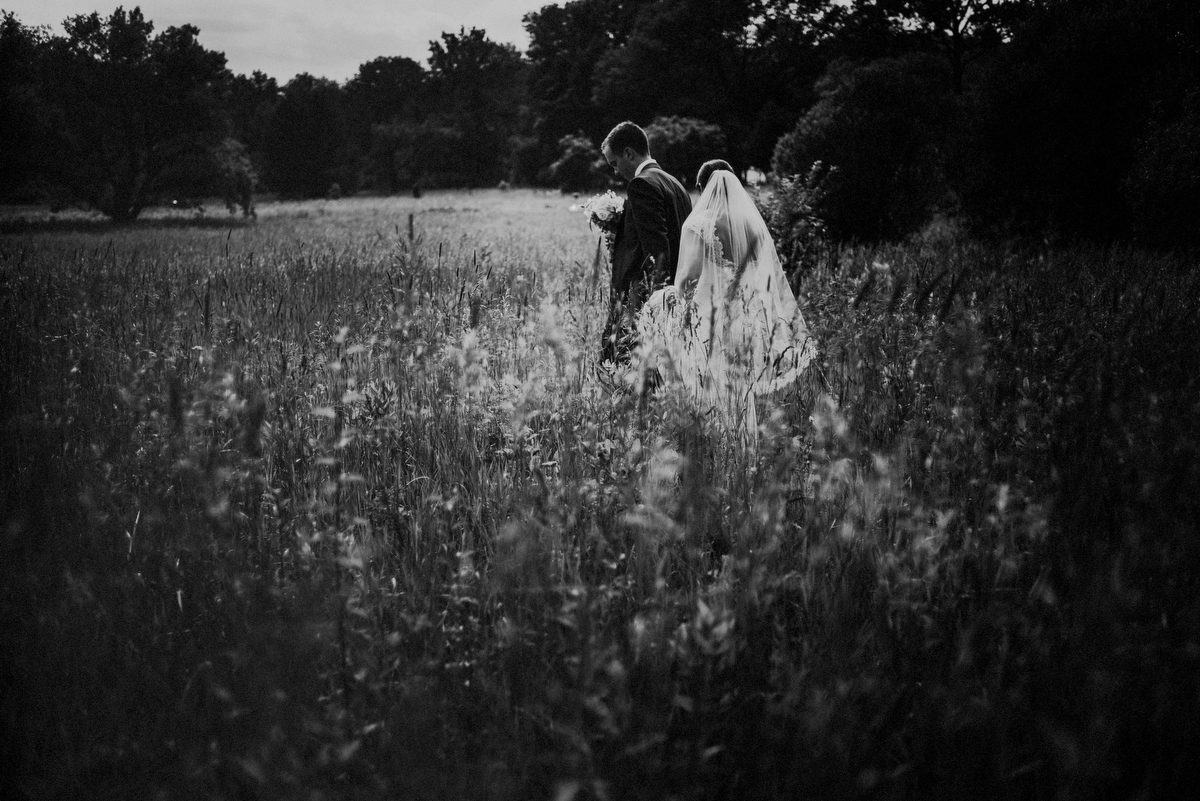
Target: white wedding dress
{"x": 729, "y": 329}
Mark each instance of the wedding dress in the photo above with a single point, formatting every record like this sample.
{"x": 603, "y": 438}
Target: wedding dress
{"x": 729, "y": 329}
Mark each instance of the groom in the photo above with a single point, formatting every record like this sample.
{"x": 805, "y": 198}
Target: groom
{"x": 646, "y": 251}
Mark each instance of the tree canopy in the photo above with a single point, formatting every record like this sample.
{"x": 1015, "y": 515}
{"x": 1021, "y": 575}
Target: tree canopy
{"x": 1068, "y": 117}
{"x": 134, "y": 113}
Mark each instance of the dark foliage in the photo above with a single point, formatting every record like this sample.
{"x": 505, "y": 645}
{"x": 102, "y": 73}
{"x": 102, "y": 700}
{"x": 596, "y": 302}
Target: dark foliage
{"x": 128, "y": 117}
{"x": 1084, "y": 121}
{"x": 1163, "y": 185}
{"x": 480, "y": 89}
{"x": 728, "y": 62}
{"x": 883, "y": 126}
{"x": 681, "y": 144}
{"x": 1068, "y": 118}
{"x": 565, "y": 43}
{"x": 792, "y": 210}
{"x": 386, "y": 92}
{"x": 249, "y": 102}
{"x": 25, "y": 127}
{"x": 578, "y": 168}
{"x": 308, "y": 146}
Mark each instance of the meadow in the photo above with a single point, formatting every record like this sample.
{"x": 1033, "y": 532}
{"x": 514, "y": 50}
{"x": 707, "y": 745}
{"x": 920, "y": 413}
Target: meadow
{"x": 328, "y": 505}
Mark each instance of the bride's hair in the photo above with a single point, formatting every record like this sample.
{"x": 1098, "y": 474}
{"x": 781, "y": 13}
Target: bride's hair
{"x": 707, "y": 169}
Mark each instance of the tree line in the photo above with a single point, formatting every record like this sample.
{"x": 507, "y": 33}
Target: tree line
{"x": 1073, "y": 118}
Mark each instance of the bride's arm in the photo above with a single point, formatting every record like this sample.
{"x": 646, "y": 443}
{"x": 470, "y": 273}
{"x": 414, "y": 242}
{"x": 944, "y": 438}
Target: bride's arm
{"x": 691, "y": 261}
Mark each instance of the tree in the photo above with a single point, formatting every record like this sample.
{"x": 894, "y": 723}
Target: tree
{"x": 308, "y": 147}
{"x": 460, "y": 123}
{"x": 137, "y": 112}
{"x": 386, "y": 91}
{"x": 25, "y": 126}
{"x": 882, "y": 127}
{"x": 1163, "y": 185}
{"x": 422, "y": 154}
{"x": 733, "y": 63}
{"x": 565, "y": 44}
{"x": 250, "y": 102}
{"x": 1086, "y": 105}
{"x": 957, "y": 29}
{"x": 481, "y": 93}
{"x": 681, "y": 144}
{"x": 575, "y": 169}
{"x": 235, "y": 177}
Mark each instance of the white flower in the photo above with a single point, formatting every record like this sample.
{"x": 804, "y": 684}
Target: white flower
{"x": 604, "y": 211}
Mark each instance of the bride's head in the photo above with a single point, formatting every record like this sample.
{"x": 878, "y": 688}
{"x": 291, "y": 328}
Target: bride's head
{"x": 707, "y": 169}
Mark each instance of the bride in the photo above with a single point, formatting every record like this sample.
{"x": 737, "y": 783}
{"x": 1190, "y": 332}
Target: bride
{"x": 729, "y": 329}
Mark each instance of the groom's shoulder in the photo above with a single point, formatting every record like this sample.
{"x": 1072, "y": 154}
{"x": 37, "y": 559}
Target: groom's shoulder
{"x": 657, "y": 176}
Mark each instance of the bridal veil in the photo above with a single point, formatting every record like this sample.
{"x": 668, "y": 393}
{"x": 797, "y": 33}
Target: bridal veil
{"x": 730, "y": 328}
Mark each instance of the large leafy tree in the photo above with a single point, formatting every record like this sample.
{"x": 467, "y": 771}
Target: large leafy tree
{"x": 387, "y": 88}
{"x": 882, "y": 126}
{"x": 480, "y": 86}
{"x": 566, "y": 42}
{"x": 250, "y": 101}
{"x": 385, "y": 98}
{"x": 577, "y": 169}
{"x": 25, "y": 125}
{"x": 308, "y": 147}
{"x": 957, "y": 29}
{"x": 1086, "y": 112}
{"x": 745, "y": 65}
{"x": 138, "y": 113}
{"x": 681, "y": 144}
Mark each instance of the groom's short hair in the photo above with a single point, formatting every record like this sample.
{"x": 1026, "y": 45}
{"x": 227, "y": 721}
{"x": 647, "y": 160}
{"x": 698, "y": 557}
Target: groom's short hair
{"x": 627, "y": 134}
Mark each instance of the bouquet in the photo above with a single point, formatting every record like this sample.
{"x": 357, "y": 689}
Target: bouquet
{"x": 605, "y": 212}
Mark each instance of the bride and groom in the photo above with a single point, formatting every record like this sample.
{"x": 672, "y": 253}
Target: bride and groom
{"x": 726, "y": 325}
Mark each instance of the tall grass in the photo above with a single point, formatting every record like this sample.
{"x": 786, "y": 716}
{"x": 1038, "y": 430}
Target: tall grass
{"x": 313, "y": 508}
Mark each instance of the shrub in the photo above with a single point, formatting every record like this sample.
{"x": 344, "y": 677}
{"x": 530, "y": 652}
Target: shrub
{"x": 681, "y": 144}
{"x": 1163, "y": 186}
{"x": 576, "y": 168}
{"x": 235, "y": 176}
{"x": 882, "y": 125}
{"x": 791, "y": 210}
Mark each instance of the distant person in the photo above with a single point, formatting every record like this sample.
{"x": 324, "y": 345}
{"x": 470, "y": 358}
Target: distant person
{"x": 728, "y": 328}
{"x": 646, "y": 249}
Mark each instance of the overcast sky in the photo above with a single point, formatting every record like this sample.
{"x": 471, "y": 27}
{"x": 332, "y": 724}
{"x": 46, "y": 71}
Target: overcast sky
{"x": 328, "y": 38}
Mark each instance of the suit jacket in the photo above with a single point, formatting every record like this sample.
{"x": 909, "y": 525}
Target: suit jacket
{"x": 655, "y": 208}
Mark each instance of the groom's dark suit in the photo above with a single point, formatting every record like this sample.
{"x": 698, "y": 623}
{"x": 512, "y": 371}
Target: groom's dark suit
{"x": 646, "y": 251}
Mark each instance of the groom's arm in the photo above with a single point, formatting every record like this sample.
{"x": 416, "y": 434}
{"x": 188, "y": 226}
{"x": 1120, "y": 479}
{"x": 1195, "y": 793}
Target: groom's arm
{"x": 650, "y": 223}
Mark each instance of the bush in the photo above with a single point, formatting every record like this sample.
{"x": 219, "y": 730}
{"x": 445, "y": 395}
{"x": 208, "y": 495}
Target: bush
{"x": 422, "y": 155}
{"x": 883, "y": 126}
{"x": 1163, "y": 186}
{"x": 790, "y": 209}
{"x": 308, "y": 146}
{"x": 521, "y": 162}
{"x": 576, "y": 169}
{"x": 681, "y": 144}
{"x": 235, "y": 176}
{"x": 1062, "y": 143}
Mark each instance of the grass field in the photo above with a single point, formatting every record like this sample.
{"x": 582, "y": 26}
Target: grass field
{"x": 323, "y": 506}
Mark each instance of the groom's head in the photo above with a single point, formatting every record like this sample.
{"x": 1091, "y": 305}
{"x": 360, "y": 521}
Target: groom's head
{"x": 625, "y": 148}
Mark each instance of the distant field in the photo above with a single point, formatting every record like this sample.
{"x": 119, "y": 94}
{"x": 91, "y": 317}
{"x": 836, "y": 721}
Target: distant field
{"x": 481, "y": 213}
{"x": 305, "y": 507}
